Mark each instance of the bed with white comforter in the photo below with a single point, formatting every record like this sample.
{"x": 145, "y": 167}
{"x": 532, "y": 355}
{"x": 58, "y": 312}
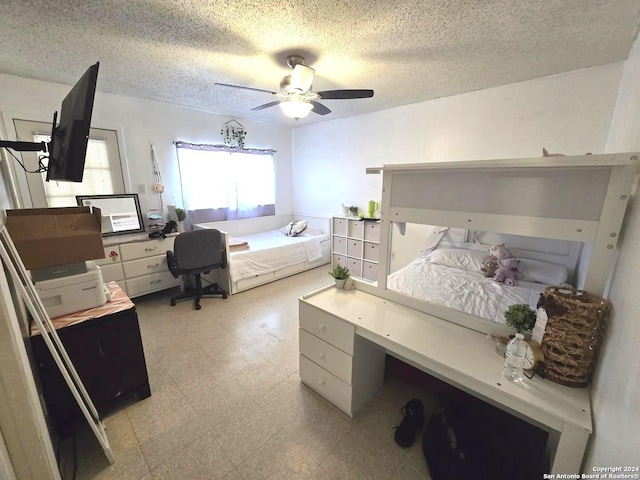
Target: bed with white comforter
{"x": 452, "y": 278}
{"x": 273, "y": 250}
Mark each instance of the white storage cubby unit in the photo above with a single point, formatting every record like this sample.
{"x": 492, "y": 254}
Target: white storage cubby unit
{"x": 355, "y": 245}
{"x": 138, "y": 265}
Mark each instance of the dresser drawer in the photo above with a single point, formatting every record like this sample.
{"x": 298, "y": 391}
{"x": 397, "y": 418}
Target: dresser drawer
{"x": 371, "y": 251}
{"x": 133, "y": 251}
{"x": 339, "y": 260}
{"x": 326, "y": 327}
{"x": 372, "y": 231}
{"x": 339, "y": 245}
{"x": 327, "y": 385}
{"x": 339, "y": 226}
{"x": 151, "y": 283}
{"x": 355, "y": 266}
{"x": 327, "y": 356}
{"x": 355, "y": 228}
{"x": 112, "y": 273}
{"x": 145, "y": 266}
{"x": 370, "y": 271}
{"x": 255, "y": 280}
{"x": 354, "y": 248}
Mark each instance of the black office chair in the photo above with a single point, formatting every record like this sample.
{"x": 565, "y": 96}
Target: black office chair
{"x": 196, "y": 252}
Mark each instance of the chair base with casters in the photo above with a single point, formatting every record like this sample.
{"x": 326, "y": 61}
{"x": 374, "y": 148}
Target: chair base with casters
{"x": 197, "y": 252}
{"x": 198, "y": 292}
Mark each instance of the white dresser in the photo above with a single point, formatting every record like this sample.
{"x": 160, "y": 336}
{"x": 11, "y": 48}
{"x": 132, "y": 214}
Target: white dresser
{"x": 344, "y": 368}
{"x": 138, "y": 263}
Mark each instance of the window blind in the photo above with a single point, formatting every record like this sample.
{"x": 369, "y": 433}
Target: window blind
{"x": 97, "y": 178}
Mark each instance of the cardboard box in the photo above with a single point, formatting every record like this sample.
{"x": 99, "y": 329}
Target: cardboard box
{"x": 47, "y": 237}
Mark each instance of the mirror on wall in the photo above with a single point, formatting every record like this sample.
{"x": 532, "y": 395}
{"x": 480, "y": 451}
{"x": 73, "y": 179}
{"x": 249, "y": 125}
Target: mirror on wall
{"x": 444, "y": 266}
{"x": 120, "y": 213}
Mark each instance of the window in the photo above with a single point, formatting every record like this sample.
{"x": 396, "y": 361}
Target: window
{"x": 102, "y": 169}
{"x": 223, "y": 183}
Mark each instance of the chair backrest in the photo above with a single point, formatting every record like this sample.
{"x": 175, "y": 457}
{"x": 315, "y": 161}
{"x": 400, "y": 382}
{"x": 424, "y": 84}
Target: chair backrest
{"x": 197, "y": 249}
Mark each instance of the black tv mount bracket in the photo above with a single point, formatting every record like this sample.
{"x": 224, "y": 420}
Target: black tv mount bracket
{"x": 24, "y": 146}
{"x": 19, "y": 146}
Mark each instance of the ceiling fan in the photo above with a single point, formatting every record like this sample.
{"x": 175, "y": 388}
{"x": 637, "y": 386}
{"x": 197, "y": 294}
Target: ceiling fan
{"x": 296, "y": 98}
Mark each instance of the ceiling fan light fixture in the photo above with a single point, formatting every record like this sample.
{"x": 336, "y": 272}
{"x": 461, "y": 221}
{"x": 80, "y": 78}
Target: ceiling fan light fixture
{"x": 296, "y": 108}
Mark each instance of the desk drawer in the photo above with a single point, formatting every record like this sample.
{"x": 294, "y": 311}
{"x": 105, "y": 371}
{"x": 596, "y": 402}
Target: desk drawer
{"x": 327, "y": 356}
{"x": 145, "y": 266}
{"x": 112, "y": 273}
{"x": 327, "y": 385}
{"x": 149, "y": 248}
{"x": 151, "y": 283}
{"x": 326, "y": 327}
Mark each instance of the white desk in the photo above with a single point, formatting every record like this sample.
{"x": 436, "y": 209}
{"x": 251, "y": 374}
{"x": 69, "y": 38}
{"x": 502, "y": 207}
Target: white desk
{"x": 457, "y": 355}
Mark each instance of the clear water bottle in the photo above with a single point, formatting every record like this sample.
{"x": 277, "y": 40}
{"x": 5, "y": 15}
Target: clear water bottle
{"x": 514, "y": 358}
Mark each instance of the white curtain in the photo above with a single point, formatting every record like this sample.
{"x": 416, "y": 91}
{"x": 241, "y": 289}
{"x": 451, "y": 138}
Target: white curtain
{"x": 220, "y": 183}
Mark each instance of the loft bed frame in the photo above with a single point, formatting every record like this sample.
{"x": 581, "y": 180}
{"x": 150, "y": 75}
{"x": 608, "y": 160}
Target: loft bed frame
{"x": 579, "y": 199}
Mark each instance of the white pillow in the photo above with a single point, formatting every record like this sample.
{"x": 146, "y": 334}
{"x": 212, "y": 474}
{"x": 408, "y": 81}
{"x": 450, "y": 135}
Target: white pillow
{"x": 457, "y": 258}
{"x": 294, "y": 228}
{"x": 542, "y": 272}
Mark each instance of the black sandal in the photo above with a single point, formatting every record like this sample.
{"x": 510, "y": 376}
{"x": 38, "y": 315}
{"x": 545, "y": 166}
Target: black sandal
{"x": 412, "y": 421}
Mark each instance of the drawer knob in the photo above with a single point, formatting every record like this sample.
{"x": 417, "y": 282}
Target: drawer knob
{"x": 322, "y": 327}
{"x": 154, "y": 282}
{"x": 322, "y": 356}
{"x": 149, "y": 249}
{"x": 321, "y": 381}
{"x": 155, "y": 265}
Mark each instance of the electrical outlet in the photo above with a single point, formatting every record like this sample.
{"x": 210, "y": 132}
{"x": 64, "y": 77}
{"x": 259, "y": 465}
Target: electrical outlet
{"x": 142, "y": 189}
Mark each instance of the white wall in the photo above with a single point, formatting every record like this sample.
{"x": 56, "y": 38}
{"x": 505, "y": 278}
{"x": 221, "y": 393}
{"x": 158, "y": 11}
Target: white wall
{"x": 140, "y": 121}
{"x": 567, "y": 113}
{"x": 616, "y": 390}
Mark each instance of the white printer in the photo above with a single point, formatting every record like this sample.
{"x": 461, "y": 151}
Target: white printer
{"x": 72, "y": 293}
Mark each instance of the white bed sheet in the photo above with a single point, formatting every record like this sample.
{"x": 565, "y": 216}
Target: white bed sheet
{"x": 272, "y": 250}
{"x": 464, "y": 290}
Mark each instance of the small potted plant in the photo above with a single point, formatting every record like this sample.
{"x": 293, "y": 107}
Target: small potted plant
{"x": 181, "y": 214}
{"x": 520, "y": 317}
{"x": 340, "y": 274}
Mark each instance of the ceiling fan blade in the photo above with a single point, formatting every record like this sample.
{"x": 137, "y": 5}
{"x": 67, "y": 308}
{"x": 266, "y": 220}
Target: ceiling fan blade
{"x": 266, "y": 105}
{"x": 302, "y": 78}
{"x": 245, "y": 88}
{"x": 345, "y": 94}
{"x": 319, "y": 108}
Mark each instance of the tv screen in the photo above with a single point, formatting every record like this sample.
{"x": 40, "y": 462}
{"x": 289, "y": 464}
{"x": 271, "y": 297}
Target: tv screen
{"x": 68, "y": 146}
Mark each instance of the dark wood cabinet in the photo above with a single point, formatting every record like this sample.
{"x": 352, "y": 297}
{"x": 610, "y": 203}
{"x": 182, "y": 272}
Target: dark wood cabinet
{"x": 108, "y": 356}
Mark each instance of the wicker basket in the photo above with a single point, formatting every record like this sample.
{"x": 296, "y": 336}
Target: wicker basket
{"x": 573, "y": 334}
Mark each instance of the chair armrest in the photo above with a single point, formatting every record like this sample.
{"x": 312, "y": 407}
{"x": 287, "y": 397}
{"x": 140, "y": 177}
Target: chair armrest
{"x": 172, "y": 263}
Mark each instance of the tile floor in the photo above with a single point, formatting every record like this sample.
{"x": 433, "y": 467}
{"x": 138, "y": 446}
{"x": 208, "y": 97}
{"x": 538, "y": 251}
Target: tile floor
{"x": 227, "y": 402}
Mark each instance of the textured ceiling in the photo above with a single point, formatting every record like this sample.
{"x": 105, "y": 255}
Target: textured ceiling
{"x": 407, "y": 51}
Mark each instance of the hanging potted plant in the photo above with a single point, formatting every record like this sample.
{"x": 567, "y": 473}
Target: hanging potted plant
{"x": 340, "y": 274}
{"x": 233, "y": 135}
